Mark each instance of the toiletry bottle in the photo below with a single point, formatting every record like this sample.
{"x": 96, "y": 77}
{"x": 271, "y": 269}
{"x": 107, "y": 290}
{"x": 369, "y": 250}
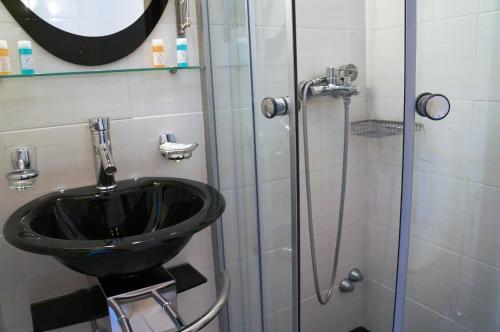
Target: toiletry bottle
{"x": 4, "y": 58}
{"x": 158, "y": 53}
{"x": 26, "y": 57}
{"x": 182, "y": 52}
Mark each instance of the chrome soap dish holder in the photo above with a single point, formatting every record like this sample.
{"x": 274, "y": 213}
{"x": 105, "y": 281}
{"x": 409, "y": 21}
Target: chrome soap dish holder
{"x": 380, "y": 128}
{"x": 172, "y": 150}
{"x": 20, "y": 165}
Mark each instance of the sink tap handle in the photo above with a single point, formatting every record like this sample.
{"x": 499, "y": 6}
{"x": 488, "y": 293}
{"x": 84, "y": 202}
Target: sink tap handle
{"x": 99, "y": 124}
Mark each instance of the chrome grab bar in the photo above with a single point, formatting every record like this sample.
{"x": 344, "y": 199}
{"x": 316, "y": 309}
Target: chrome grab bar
{"x": 208, "y": 316}
{"x": 167, "y": 306}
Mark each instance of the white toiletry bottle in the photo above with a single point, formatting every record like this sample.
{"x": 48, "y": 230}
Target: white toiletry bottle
{"x": 4, "y": 58}
{"x": 158, "y": 53}
{"x": 182, "y": 52}
{"x": 26, "y": 57}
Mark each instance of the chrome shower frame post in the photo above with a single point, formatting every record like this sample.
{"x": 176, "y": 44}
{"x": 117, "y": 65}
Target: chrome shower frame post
{"x": 408, "y": 155}
{"x": 207, "y": 97}
{"x": 294, "y": 161}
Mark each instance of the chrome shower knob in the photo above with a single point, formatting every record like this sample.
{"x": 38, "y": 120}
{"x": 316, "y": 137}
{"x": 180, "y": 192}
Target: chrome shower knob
{"x": 434, "y": 106}
{"x": 271, "y": 106}
{"x": 355, "y": 275}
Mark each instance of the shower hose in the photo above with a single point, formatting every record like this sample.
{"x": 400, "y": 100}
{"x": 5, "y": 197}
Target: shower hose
{"x": 347, "y": 100}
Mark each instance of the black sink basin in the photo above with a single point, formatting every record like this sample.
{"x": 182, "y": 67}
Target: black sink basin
{"x": 140, "y": 225}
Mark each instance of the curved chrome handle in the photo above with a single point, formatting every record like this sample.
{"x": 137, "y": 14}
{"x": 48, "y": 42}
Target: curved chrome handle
{"x": 208, "y": 316}
{"x": 194, "y": 326}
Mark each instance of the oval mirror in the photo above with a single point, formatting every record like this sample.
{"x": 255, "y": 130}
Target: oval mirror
{"x": 90, "y": 32}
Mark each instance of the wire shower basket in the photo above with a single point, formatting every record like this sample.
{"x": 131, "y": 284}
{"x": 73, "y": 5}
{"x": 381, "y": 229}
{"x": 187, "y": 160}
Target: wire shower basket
{"x": 380, "y": 128}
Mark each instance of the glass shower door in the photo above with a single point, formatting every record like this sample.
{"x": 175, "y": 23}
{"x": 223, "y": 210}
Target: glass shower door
{"x": 453, "y": 279}
{"x": 270, "y": 25}
{"x": 251, "y": 61}
{"x": 330, "y": 34}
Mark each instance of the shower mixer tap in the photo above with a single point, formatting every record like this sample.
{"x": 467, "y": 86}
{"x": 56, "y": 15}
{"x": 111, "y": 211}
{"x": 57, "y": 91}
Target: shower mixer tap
{"x": 336, "y": 83}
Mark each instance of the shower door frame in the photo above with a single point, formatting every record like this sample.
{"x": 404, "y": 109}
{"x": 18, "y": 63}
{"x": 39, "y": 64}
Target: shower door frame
{"x": 294, "y": 107}
{"x": 410, "y": 65}
{"x": 410, "y": 55}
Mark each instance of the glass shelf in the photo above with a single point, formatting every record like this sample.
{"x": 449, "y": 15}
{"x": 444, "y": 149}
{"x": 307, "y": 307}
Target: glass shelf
{"x": 96, "y": 72}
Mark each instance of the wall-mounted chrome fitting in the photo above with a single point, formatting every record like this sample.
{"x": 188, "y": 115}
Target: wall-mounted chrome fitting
{"x": 347, "y": 285}
{"x": 20, "y": 165}
{"x": 336, "y": 83}
{"x": 355, "y": 275}
{"x": 182, "y": 16}
{"x": 172, "y": 150}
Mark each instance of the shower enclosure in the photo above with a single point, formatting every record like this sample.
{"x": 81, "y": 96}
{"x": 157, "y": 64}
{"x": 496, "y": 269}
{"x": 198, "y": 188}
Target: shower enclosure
{"x": 420, "y": 211}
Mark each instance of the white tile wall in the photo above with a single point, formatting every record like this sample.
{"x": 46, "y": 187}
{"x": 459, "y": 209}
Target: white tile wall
{"x": 478, "y": 296}
{"x": 485, "y": 158}
{"x": 481, "y": 228}
{"x": 433, "y": 276}
{"x": 488, "y": 39}
{"x": 381, "y": 254}
{"x": 439, "y": 208}
{"x": 52, "y": 114}
{"x": 428, "y": 10}
{"x": 437, "y": 71}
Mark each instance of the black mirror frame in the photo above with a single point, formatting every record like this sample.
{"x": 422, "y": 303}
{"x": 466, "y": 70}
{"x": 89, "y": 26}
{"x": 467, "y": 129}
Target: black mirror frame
{"x": 84, "y": 50}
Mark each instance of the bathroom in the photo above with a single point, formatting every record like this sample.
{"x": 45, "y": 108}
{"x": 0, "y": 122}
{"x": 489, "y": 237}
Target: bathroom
{"x": 375, "y": 124}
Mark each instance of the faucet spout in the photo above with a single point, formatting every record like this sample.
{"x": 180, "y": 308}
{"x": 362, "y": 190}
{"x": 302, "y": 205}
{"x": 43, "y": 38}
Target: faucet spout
{"x": 104, "y": 164}
{"x": 107, "y": 162}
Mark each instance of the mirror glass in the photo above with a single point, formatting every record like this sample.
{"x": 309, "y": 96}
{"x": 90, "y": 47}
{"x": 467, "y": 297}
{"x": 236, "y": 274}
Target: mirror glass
{"x": 90, "y": 18}
{"x": 87, "y": 32}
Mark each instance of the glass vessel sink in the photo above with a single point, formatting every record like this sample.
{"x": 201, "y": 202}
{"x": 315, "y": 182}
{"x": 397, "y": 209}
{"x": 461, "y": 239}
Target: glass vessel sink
{"x": 140, "y": 225}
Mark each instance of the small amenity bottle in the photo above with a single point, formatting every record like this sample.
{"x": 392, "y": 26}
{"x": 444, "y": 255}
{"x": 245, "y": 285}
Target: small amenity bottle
{"x": 182, "y": 52}
{"x": 4, "y": 58}
{"x": 158, "y": 53}
{"x": 26, "y": 57}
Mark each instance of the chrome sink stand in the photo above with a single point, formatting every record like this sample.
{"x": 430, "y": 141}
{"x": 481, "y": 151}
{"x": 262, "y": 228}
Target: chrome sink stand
{"x": 165, "y": 295}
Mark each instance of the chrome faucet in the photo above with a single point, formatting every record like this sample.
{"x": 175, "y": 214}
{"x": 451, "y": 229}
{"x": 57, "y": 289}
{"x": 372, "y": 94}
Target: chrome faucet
{"x": 103, "y": 157}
